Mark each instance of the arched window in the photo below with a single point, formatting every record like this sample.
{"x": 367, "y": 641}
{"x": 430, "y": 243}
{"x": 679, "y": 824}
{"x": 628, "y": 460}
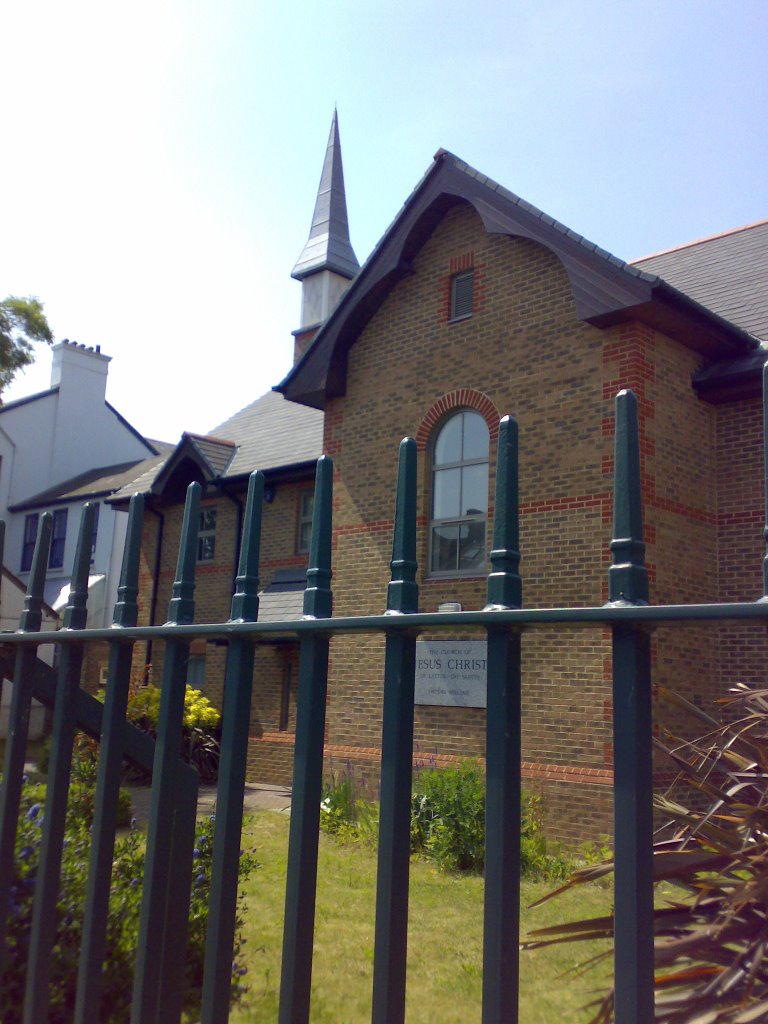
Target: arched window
{"x": 459, "y": 495}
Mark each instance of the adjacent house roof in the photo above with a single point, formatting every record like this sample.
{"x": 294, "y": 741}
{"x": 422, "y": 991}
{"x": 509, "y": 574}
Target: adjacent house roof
{"x": 727, "y": 272}
{"x": 328, "y": 246}
{"x": 95, "y": 483}
{"x": 27, "y": 399}
{"x": 605, "y": 289}
{"x": 270, "y": 434}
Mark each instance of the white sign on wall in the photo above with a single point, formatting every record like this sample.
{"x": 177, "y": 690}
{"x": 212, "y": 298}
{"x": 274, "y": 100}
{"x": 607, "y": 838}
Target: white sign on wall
{"x": 451, "y": 673}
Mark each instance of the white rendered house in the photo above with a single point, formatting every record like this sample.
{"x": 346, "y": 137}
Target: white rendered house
{"x": 59, "y": 449}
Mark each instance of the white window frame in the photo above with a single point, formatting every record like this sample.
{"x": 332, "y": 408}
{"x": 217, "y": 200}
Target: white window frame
{"x": 304, "y": 521}
{"x": 462, "y": 521}
{"x": 206, "y": 534}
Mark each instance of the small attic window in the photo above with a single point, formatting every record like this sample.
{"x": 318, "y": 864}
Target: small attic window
{"x": 462, "y": 294}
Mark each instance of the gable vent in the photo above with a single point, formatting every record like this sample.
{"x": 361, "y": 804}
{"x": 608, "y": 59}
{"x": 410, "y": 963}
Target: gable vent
{"x": 462, "y": 293}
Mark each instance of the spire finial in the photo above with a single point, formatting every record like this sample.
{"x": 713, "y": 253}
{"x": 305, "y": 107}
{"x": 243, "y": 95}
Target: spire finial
{"x": 328, "y": 246}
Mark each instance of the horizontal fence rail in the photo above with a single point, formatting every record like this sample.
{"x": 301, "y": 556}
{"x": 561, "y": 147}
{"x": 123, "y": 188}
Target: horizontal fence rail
{"x": 606, "y": 615}
{"x": 158, "y": 985}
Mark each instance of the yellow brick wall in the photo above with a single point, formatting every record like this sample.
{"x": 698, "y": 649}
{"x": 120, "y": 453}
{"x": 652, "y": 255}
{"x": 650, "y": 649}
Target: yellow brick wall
{"x": 522, "y": 352}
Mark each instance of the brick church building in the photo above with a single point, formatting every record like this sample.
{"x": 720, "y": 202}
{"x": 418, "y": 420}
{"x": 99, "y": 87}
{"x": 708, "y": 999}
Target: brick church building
{"x": 475, "y": 305}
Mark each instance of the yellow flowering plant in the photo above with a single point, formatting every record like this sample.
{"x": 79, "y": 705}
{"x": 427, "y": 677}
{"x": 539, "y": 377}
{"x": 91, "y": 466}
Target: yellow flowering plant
{"x": 200, "y": 745}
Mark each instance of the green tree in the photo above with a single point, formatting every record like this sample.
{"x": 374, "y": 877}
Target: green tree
{"x": 22, "y": 321}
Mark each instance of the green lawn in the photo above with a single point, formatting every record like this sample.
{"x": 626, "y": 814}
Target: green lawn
{"x": 444, "y": 942}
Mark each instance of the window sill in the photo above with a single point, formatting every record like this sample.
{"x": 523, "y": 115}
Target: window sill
{"x": 459, "y": 319}
{"x": 439, "y": 577}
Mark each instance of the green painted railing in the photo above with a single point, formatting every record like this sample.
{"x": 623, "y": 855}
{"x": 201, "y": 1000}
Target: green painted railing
{"x": 159, "y": 975}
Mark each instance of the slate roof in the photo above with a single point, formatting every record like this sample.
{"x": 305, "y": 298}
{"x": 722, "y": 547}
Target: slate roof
{"x": 143, "y": 478}
{"x": 727, "y": 272}
{"x": 269, "y": 434}
{"x": 283, "y": 599}
{"x": 215, "y": 452}
{"x": 91, "y": 484}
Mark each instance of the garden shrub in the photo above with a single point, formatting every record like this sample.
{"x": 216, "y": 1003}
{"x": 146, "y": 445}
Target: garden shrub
{"x": 448, "y": 823}
{"x": 448, "y": 816}
{"x": 125, "y": 901}
{"x": 81, "y": 802}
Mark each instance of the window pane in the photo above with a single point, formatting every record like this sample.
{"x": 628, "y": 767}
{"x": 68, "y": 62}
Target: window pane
{"x": 474, "y": 491}
{"x": 447, "y": 498}
{"x": 444, "y": 548}
{"x": 472, "y": 545}
{"x": 305, "y": 535}
{"x": 58, "y": 539}
{"x": 196, "y": 671}
{"x": 476, "y": 436}
{"x": 304, "y": 532}
{"x": 95, "y": 534}
{"x": 208, "y": 519}
{"x": 448, "y": 446}
{"x": 206, "y": 548}
{"x": 30, "y": 536}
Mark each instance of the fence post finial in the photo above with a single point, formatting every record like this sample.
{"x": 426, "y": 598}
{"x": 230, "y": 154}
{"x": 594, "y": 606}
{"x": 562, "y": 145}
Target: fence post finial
{"x": 181, "y": 607}
{"x": 403, "y": 591}
{"x": 126, "y": 611}
{"x": 627, "y": 576}
{"x": 318, "y": 598}
{"x": 32, "y": 616}
{"x": 76, "y": 612}
{"x": 245, "y": 600}
{"x": 505, "y": 587}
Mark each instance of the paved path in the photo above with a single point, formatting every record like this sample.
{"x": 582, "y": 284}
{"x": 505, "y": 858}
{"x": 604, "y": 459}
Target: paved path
{"x": 258, "y": 797}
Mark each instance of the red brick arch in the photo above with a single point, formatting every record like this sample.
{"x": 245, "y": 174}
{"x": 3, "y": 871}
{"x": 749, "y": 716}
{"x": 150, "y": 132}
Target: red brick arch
{"x": 462, "y": 398}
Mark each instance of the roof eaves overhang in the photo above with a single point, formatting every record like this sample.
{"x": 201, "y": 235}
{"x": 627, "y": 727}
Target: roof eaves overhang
{"x": 677, "y": 315}
{"x": 731, "y": 380}
{"x": 51, "y": 500}
{"x": 605, "y": 289}
{"x": 293, "y": 472}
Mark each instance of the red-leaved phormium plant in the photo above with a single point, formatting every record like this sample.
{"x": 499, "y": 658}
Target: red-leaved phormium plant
{"x": 711, "y": 941}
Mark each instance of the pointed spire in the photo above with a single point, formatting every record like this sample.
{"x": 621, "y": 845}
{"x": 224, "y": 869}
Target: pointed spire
{"x": 328, "y": 246}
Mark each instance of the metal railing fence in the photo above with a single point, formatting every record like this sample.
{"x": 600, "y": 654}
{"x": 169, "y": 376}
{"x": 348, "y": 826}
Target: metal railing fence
{"x": 159, "y": 975}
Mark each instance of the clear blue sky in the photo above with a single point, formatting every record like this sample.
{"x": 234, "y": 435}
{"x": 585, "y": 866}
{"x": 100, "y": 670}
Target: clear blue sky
{"x": 161, "y": 158}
